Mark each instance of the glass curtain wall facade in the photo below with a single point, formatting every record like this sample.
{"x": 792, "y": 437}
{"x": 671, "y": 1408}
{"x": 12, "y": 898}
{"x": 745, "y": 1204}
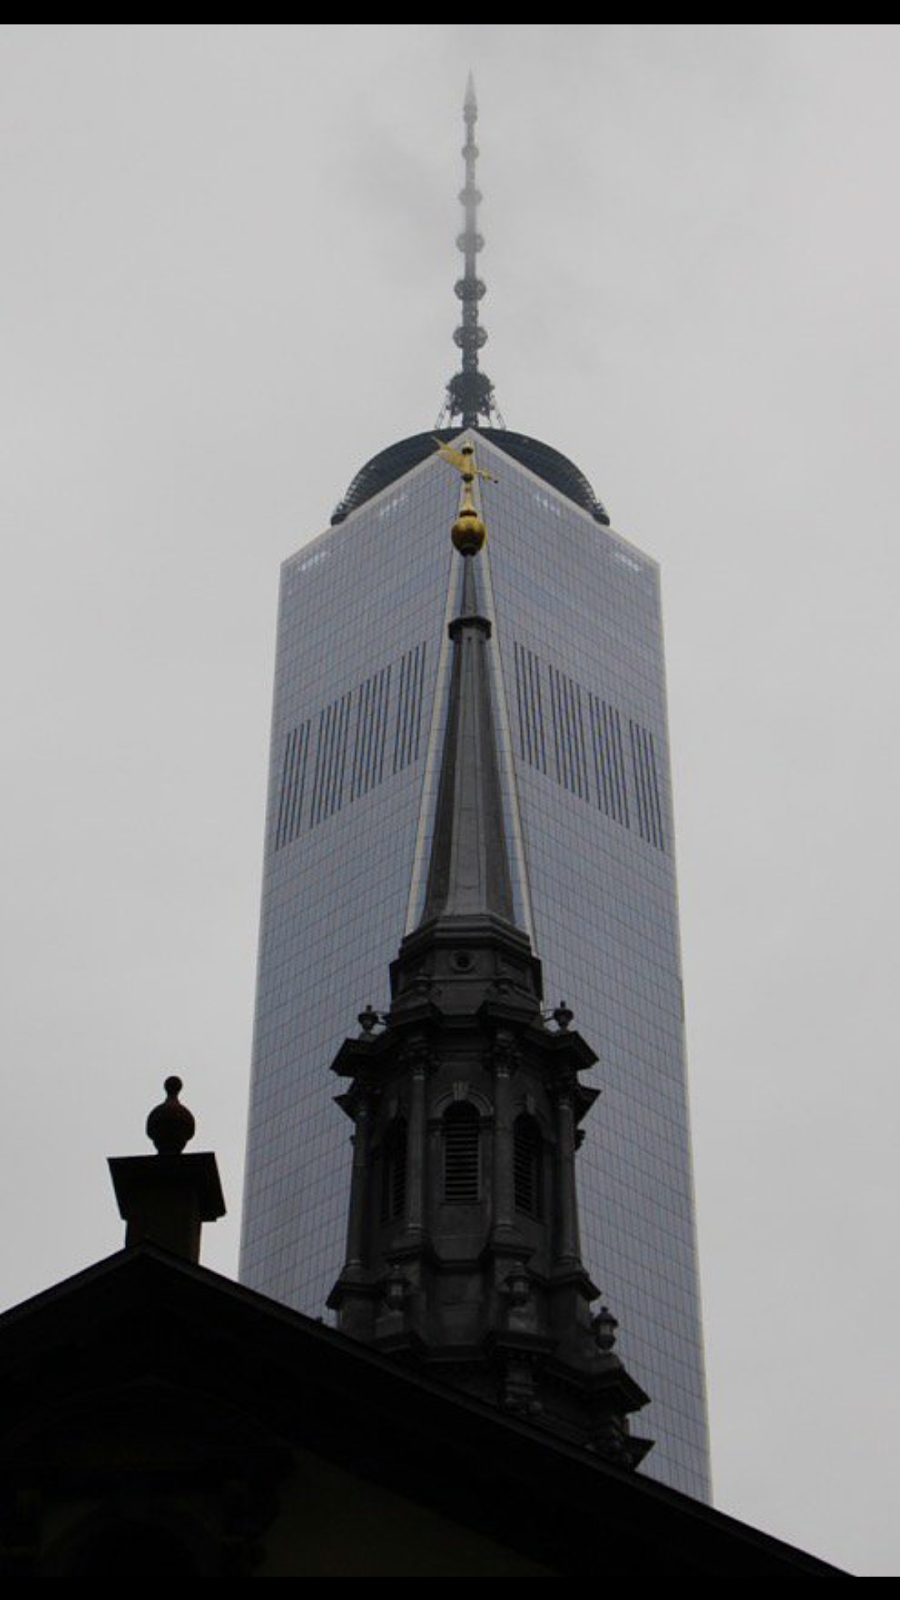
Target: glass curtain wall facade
{"x": 357, "y": 720}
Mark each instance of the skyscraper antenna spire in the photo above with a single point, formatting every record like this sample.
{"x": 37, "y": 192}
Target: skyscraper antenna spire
{"x": 470, "y": 393}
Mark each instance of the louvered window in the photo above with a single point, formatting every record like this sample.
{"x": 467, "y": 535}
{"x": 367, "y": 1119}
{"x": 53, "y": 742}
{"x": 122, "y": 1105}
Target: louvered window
{"x": 527, "y": 1166}
{"x": 393, "y": 1171}
{"x": 462, "y": 1154}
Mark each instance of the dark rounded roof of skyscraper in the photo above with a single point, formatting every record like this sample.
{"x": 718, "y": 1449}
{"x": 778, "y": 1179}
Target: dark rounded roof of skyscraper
{"x": 541, "y": 459}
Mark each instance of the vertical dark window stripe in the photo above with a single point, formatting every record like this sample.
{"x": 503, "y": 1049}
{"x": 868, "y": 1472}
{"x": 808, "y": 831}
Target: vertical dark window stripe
{"x": 357, "y": 738}
{"x": 570, "y": 733}
{"x": 328, "y": 786}
{"x": 531, "y": 726}
{"x": 555, "y": 720}
{"x": 287, "y": 829}
{"x": 580, "y": 718}
{"x": 376, "y": 729}
{"x": 532, "y": 704}
{"x": 377, "y": 699}
{"x": 313, "y": 804}
{"x": 384, "y": 687}
{"x": 534, "y": 738}
{"x": 411, "y": 708}
{"x": 333, "y": 747}
{"x": 287, "y": 768}
{"x": 575, "y": 726}
{"x": 592, "y": 730}
{"x": 639, "y": 785}
{"x": 637, "y": 780}
{"x": 613, "y": 761}
{"x": 564, "y": 728}
{"x": 539, "y": 703}
{"x": 348, "y": 741}
{"x": 301, "y": 785}
{"x": 608, "y": 762}
{"x": 298, "y": 781}
{"x": 365, "y": 773}
{"x": 386, "y": 700}
{"x": 655, "y": 787}
{"x": 620, "y": 768}
{"x": 517, "y": 659}
{"x": 562, "y": 765}
{"x": 419, "y": 694}
{"x": 601, "y": 757}
{"x": 413, "y": 678}
{"x": 651, "y": 799}
{"x": 409, "y": 663}
{"x": 530, "y": 708}
{"x": 566, "y": 709}
{"x": 411, "y": 658}
{"x": 367, "y": 744}
{"x": 325, "y": 790}
{"x": 377, "y": 706}
{"x": 408, "y": 714}
{"x": 588, "y": 746}
{"x": 323, "y": 765}
{"x": 342, "y": 752}
{"x": 645, "y": 760}
{"x": 401, "y": 708}
{"x": 327, "y": 793}
{"x": 652, "y": 830}
{"x": 609, "y": 758}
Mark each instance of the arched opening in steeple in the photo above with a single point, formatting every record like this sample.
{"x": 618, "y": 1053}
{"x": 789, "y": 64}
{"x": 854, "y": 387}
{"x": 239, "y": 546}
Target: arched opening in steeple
{"x": 528, "y": 1167}
{"x": 393, "y": 1170}
{"x": 461, "y": 1140}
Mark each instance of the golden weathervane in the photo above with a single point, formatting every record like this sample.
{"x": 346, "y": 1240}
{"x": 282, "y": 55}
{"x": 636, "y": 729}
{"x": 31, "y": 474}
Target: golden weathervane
{"x": 468, "y": 532}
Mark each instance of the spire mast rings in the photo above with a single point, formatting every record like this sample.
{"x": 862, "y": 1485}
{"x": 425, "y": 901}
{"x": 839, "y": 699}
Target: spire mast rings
{"x": 470, "y": 393}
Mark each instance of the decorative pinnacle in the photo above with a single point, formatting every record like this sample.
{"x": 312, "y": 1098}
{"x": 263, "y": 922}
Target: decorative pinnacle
{"x": 170, "y": 1125}
{"x": 562, "y": 1016}
{"x": 470, "y": 393}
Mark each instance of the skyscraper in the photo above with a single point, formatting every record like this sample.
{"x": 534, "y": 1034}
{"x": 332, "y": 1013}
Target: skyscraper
{"x": 361, "y": 689}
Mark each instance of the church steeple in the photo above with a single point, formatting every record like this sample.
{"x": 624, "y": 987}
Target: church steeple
{"x": 463, "y": 1248}
{"x": 469, "y": 869}
{"x": 470, "y": 393}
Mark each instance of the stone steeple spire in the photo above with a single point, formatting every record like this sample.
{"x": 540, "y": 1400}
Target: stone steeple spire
{"x": 469, "y": 869}
{"x": 463, "y": 1249}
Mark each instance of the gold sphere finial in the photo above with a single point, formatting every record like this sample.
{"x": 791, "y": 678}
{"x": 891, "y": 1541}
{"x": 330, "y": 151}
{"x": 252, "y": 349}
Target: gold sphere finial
{"x": 468, "y": 532}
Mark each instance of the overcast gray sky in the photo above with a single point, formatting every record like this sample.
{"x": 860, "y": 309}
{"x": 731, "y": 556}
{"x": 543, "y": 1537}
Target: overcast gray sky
{"x": 228, "y": 260}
